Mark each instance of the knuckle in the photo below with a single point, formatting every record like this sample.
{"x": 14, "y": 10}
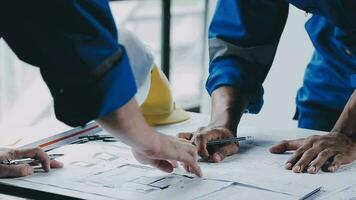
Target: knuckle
{"x": 314, "y": 137}
{"x": 325, "y": 153}
{"x": 311, "y": 139}
{"x": 284, "y": 142}
{"x": 323, "y": 144}
{"x": 301, "y": 150}
{"x": 310, "y": 152}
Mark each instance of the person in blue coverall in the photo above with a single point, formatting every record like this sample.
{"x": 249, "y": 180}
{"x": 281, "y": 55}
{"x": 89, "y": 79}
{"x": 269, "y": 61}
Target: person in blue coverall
{"x": 75, "y": 45}
{"x": 243, "y": 38}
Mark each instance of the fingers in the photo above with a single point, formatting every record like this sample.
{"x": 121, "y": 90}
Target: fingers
{"x": 56, "y": 164}
{"x": 195, "y": 169}
{"x": 319, "y": 161}
{"x": 337, "y": 162}
{"x": 190, "y": 163}
{"x": 286, "y": 145}
{"x": 36, "y": 153}
{"x": 296, "y": 156}
{"x": 201, "y": 143}
{"x": 8, "y": 171}
{"x": 225, "y": 151}
{"x": 186, "y": 136}
{"x": 305, "y": 159}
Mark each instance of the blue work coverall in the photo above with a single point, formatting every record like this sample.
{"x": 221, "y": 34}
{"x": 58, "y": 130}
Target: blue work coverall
{"x": 75, "y": 45}
{"x": 243, "y": 38}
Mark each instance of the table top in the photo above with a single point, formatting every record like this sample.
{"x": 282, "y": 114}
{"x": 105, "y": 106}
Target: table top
{"x": 250, "y": 125}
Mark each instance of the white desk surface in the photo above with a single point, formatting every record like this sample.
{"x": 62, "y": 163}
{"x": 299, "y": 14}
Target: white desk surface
{"x": 249, "y": 126}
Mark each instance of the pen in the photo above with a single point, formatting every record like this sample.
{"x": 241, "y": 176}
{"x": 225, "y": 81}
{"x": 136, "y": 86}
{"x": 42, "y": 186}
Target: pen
{"x": 312, "y": 193}
{"x": 229, "y": 140}
{"x": 28, "y": 160}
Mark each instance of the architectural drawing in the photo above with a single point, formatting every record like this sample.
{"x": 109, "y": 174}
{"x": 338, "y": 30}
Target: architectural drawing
{"x": 109, "y": 170}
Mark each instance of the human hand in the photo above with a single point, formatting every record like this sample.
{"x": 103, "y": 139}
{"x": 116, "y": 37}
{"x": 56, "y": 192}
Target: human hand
{"x": 214, "y": 153}
{"x": 165, "y": 153}
{"x": 24, "y": 169}
{"x": 326, "y": 152}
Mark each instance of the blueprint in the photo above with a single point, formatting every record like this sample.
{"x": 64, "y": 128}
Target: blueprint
{"x": 110, "y": 170}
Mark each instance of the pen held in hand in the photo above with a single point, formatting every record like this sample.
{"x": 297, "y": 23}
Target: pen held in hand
{"x": 229, "y": 140}
{"x": 28, "y": 160}
{"x": 223, "y": 141}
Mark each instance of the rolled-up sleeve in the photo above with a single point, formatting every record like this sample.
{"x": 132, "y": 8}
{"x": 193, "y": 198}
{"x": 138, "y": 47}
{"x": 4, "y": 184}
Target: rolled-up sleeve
{"x": 75, "y": 45}
{"x": 243, "y": 38}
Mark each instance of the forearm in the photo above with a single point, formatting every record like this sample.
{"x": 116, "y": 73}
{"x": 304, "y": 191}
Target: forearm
{"x": 129, "y": 125}
{"x": 228, "y": 105}
{"x": 346, "y": 123}
{"x": 149, "y": 147}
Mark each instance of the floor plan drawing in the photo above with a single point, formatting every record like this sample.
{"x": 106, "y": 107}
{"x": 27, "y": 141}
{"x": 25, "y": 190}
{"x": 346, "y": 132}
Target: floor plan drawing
{"x": 110, "y": 170}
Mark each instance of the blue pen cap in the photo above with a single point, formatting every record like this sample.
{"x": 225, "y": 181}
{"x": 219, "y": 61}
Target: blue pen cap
{"x": 353, "y": 80}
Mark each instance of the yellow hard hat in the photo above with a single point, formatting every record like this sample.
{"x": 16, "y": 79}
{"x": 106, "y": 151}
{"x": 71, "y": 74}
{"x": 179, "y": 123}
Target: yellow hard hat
{"x": 159, "y": 107}
{"x": 154, "y": 93}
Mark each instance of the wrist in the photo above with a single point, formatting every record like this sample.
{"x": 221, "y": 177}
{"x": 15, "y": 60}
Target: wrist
{"x": 228, "y": 107}
{"x": 346, "y": 124}
{"x": 129, "y": 125}
{"x": 344, "y": 132}
{"x": 225, "y": 120}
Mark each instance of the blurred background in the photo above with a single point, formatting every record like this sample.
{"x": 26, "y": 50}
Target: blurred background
{"x": 25, "y": 99}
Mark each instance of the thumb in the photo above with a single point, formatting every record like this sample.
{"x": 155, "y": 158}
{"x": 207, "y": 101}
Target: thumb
{"x": 225, "y": 151}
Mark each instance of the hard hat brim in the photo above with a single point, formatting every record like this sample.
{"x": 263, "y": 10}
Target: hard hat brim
{"x": 178, "y": 115}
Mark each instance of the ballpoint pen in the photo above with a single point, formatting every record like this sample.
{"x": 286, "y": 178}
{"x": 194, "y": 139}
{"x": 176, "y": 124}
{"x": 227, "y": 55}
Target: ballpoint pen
{"x": 312, "y": 193}
{"x": 28, "y": 160}
{"x": 229, "y": 140}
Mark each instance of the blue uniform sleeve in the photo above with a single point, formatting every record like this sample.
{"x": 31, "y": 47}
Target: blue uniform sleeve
{"x": 243, "y": 38}
{"x": 75, "y": 45}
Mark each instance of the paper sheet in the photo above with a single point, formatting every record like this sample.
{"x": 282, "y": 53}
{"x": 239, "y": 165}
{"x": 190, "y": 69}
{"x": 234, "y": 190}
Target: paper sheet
{"x": 256, "y": 166}
{"x": 111, "y": 171}
{"x": 237, "y": 191}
